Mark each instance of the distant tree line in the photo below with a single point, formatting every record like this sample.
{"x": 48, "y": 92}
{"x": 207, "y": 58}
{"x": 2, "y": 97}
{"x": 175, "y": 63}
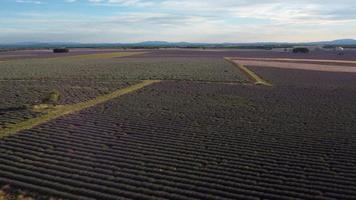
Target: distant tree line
{"x": 300, "y": 50}
{"x": 61, "y": 50}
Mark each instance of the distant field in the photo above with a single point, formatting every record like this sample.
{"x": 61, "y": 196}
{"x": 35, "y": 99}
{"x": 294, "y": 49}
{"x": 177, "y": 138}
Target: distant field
{"x": 199, "y": 53}
{"x": 313, "y": 66}
{"x": 204, "y": 131}
{"x": 323, "y": 55}
{"x": 28, "y": 54}
{"x": 120, "y": 69}
{"x": 82, "y": 77}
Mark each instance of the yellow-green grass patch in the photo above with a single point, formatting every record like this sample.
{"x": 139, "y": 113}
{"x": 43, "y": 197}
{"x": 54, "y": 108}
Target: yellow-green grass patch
{"x": 61, "y": 110}
{"x": 4, "y": 196}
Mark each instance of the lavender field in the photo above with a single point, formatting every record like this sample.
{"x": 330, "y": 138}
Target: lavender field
{"x": 204, "y": 130}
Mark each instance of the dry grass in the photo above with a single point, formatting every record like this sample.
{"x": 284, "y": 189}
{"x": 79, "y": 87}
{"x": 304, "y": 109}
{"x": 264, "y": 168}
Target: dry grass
{"x": 5, "y": 196}
{"x": 62, "y": 110}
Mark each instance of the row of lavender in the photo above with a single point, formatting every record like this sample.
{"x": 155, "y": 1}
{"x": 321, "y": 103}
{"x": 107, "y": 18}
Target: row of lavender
{"x": 184, "y": 53}
{"x": 27, "y": 82}
{"x": 185, "y": 140}
{"x": 18, "y": 96}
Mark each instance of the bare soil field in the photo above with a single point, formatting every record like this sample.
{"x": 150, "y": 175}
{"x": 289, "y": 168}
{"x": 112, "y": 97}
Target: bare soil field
{"x": 203, "y": 132}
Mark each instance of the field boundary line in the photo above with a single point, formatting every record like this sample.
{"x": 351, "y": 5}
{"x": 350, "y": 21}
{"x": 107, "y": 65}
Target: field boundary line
{"x": 249, "y": 73}
{"x": 62, "y": 110}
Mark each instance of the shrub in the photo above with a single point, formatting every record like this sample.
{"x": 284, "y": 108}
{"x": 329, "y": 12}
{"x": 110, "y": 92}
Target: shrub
{"x": 52, "y": 98}
{"x": 300, "y": 50}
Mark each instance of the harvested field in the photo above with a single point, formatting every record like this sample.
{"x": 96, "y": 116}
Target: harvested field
{"x": 200, "y": 133}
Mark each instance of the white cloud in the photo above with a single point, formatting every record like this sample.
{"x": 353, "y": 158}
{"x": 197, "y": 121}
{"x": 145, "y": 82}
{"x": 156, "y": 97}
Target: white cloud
{"x": 191, "y": 20}
{"x": 139, "y": 3}
{"x": 28, "y": 1}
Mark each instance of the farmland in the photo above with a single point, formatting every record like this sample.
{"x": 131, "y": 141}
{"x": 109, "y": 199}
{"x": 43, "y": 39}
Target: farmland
{"x": 26, "y": 81}
{"x": 203, "y": 131}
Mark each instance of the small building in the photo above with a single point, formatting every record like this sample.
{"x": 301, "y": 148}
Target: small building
{"x": 339, "y": 49}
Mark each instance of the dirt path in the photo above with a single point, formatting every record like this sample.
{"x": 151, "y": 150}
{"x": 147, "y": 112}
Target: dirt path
{"x": 249, "y": 73}
{"x": 303, "y": 66}
{"x": 298, "y": 60}
{"x": 62, "y": 110}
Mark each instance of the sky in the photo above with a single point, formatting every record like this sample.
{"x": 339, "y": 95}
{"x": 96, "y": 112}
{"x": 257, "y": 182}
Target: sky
{"x": 209, "y": 21}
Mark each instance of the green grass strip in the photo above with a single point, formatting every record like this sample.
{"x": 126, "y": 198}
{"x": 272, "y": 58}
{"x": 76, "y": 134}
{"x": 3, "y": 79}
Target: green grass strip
{"x": 250, "y": 74}
{"x": 62, "y": 110}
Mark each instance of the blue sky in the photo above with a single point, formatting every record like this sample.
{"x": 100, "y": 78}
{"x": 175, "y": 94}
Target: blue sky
{"x": 176, "y": 20}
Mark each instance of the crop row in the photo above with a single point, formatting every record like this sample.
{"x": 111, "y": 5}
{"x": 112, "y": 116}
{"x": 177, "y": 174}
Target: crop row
{"x": 332, "y": 55}
{"x": 181, "y": 140}
{"x": 40, "y": 54}
{"x": 19, "y": 95}
{"x": 27, "y": 82}
{"x": 135, "y": 169}
{"x": 121, "y": 69}
{"x": 224, "y": 170}
{"x": 144, "y": 137}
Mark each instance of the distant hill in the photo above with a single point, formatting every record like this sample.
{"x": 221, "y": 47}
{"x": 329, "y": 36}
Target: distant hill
{"x": 337, "y": 42}
{"x": 153, "y": 43}
{"x": 164, "y": 44}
